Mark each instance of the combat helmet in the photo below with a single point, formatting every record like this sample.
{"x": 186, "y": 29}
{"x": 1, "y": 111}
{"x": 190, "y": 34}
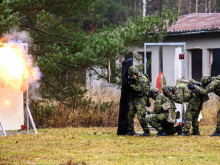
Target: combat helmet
{"x": 154, "y": 92}
{"x": 167, "y": 88}
{"x": 205, "y": 80}
{"x": 132, "y": 70}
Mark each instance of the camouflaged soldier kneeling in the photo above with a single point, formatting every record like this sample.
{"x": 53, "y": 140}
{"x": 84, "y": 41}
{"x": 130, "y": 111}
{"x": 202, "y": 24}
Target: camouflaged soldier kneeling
{"x": 163, "y": 117}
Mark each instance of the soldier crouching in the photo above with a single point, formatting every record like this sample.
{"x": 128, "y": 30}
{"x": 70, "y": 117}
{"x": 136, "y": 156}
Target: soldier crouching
{"x": 163, "y": 117}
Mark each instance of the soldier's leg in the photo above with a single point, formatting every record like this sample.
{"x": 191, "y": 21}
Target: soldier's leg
{"x": 217, "y": 131}
{"x": 130, "y": 116}
{"x": 155, "y": 120}
{"x": 140, "y": 105}
{"x": 195, "y": 122}
{"x": 192, "y": 109}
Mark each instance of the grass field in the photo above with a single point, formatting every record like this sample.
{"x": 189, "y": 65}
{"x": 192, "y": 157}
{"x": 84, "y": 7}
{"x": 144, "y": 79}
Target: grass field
{"x": 102, "y": 146}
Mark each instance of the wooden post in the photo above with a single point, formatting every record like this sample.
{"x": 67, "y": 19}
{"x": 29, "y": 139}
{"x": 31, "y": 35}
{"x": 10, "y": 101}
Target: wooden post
{"x": 109, "y": 71}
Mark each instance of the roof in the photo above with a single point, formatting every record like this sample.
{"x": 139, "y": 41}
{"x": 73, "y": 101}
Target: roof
{"x": 196, "y": 23}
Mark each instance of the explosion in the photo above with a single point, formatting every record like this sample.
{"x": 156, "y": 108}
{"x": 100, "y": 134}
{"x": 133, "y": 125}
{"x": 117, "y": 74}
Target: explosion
{"x": 16, "y": 68}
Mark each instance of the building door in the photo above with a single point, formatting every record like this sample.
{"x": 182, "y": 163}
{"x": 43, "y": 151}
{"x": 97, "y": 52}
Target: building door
{"x": 197, "y": 64}
{"x": 215, "y": 67}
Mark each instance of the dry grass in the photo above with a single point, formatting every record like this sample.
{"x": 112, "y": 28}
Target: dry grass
{"x": 209, "y": 111}
{"x": 102, "y": 146}
{"x": 104, "y": 95}
{"x": 102, "y": 111}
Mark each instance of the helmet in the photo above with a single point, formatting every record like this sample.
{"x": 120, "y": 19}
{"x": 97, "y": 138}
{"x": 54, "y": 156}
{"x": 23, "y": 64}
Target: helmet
{"x": 167, "y": 88}
{"x": 154, "y": 92}
{"x": 132, "y": 70}
{"x": 205, "y": 80}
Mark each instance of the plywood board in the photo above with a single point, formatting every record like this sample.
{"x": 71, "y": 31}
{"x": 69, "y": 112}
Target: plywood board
{"x": 11, "y": 108}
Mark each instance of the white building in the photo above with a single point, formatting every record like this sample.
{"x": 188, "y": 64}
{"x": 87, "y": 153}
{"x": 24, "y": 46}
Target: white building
{"x": 201, "y": 33}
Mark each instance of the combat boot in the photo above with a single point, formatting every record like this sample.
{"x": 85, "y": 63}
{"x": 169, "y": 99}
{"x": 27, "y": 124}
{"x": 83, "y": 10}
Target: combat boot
{"x": 195, "y": 133}
{"x": 146, "y": 133}
{"x": 131, "y": 133}
{"x": 178, "y": 129}
{"x": 184, "y": 134}
{"x": 216, "y": 133}
{"x": 161, "y": 133}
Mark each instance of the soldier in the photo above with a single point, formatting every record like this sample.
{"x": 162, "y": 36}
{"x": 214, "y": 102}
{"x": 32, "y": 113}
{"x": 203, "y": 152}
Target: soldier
{"x": 163, "y": 117}
{"x": 183, "y": 94}
{"x": 209, "y": 85}
{"x": 140, "y": 90}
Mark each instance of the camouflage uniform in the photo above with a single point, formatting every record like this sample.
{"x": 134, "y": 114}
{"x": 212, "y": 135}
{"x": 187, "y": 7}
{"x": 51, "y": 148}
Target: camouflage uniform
{"x": 140, "y": 90}
{"x": 213, "y": 86}
{"x": 164, "y": 109}
{"x": 183, "y": 94}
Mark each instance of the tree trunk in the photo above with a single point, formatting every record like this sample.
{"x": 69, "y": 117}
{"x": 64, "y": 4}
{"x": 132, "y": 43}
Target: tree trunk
{"x": 196, "y": 6}
{"x": 144, "y": 8}
{"x": 179, "y": 6}
{"x": 205, "y": 6}
{"x": 190, "y": 6}
{"x": 210, "y": 6}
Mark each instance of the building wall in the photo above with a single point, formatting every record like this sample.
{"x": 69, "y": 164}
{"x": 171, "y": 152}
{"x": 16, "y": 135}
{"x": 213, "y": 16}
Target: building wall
{"x": 168, "y": 62}
{"x": 205, "y": 42}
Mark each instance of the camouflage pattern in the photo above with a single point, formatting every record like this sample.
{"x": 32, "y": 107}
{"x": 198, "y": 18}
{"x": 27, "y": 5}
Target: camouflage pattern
{"x": 132, "y": 70}
{"x": 158, "y": 118}
{"x": 140, "y": 86}
{"x": 137, "y": 106}
{"x": 140, "y": 91}
{"x": 183, "y": 94}
{"x": 213, "y": 86}
{"x": 192, "y": 114}
{"x": 205, "y": 80}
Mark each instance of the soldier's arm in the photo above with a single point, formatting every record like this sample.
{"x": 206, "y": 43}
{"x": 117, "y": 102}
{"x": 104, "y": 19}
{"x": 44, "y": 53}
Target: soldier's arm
{"x": 139, "y": 87}
{"x": 158, "y": 103}
{"x": 178, "y": 96}
{"x": 204, "y": 91}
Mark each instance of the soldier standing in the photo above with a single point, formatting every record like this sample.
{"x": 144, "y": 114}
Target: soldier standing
{"x": 139, "y": 87}
{"x": 183, "y": 94}
{"x": 209, "y": 85}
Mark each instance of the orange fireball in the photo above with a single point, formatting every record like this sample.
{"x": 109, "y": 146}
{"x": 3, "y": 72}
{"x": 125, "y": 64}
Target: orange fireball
{"x": 15, "y": 67}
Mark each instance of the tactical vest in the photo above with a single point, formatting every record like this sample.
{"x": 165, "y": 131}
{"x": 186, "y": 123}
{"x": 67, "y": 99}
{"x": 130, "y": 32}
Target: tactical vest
{"x": 170, "y": 107}
{"x": 187, "y": 93}
{"x": 146, "y": 91}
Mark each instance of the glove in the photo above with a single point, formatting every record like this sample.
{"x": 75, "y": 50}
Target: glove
{"x": 191, "y": 86}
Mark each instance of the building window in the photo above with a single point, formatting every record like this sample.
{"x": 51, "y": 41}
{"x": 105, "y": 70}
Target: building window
{"x": 215, "y": 62}
{"x": 196, "y": 64}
